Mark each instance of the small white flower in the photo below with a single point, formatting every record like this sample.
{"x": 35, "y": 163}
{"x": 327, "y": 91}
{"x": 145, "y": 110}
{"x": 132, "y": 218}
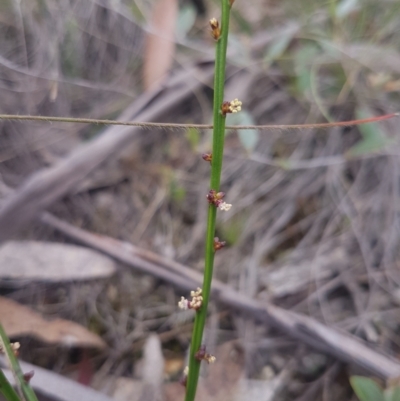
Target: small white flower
{"x": 186, "y": 371}
{"x": 195, "y": 303}
{"x": 196, "y": 293}
{"x": 214, "y": 22}
{"x": 197, "y": 298}
{"x": 183, "y": 303}
{"x": 15, "y": 346}
{"x": 224, "y": 206}
{"x": 210, "y": 358}
{"x": 235, "y": 106}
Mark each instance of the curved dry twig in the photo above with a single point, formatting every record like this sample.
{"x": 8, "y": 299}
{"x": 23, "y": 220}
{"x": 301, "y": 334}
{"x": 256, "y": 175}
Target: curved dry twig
{"x": 49, "y": 119}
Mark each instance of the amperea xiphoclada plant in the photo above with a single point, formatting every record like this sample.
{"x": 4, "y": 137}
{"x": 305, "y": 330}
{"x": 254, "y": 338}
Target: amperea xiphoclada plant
{"x": 200, "y": 297}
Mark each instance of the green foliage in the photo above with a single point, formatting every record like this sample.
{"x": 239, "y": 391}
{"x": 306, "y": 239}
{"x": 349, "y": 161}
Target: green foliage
{"x": 186, "y": 20}
{"x": 392, "y": 393}
{"x": 70, "y": 63}
{"x": 242, "y": 23}
{"x": 7, "y": 389}
{"x": 6, "y": 6}
{"x": 177, "y": 193}
{"x": 193, "y": 137}
{"x": 278, "y": 47}
{"x": 137, "y": 13}
{"x": 303, "y": 60}
{"x": 248, "y": 138}
{"x": 232, "y": 229}
{"x": 346, "y": 8}
{"x": 373, "y": 137}
{"x": 366, "y": 389}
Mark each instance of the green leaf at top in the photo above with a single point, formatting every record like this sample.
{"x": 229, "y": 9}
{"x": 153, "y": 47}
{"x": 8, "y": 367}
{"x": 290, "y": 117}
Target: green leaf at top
{"x": 366, "y": 389}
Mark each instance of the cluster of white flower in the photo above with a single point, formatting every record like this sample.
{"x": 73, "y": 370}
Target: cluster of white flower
{"x": 235, "y": 106}
{"x": 14, "y": 346}
{"x": 195, "y": 303}
{"x": 197, "y": 299}
{"x": 210, "y": 358}
{"x": 183, "y": 303}
{"x": 224, "y": 206}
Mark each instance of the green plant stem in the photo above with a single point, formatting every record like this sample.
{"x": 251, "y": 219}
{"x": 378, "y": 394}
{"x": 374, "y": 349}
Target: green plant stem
{"x": 216, "y": 168}
{"x": 25, "y": 389}
{"x": 7, "y": 389}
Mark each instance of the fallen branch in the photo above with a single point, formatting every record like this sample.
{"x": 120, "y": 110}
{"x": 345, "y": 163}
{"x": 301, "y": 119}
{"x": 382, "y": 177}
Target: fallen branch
{"x": 341, "y": 345}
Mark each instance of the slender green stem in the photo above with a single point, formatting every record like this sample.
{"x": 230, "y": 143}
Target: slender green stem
{"x": 25, "y": 389}
{"x": 7, "y": 389}
{"x": 216, "y": 167}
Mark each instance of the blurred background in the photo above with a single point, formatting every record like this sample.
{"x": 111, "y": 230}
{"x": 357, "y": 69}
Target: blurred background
{"x": 94, "y": 218}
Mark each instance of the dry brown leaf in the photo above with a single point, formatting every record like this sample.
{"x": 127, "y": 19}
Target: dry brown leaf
{"x": 19, "y": 320}
{"x": 127, "y": 389}
{"x": 392, "y": 86}
{"x": 153, "y": 369}
{"x": 223, "y": 378}
{"x": 174, "y": 392}
{"x": 173, "y": 367}
{"x": 160, "y": 44}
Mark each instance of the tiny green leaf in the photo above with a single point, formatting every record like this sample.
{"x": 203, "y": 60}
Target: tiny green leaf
{"x": 392, "y": 394}
{"x": 346, "y": 7}
{"x": 278, "y": 47}
{"x": 24, "y": 387}
{"x": 366, "y": 389}
{"x": 248, "y": 138}
{"x": 284, "y": 164}
{"x": 137, "y": 13}
{"x": 303, "y": 62}
{"x": 243, "y": 24}
{"x": 373, "y": 140}
{"x": 7, "y": 389}
{"x": 176, "y": 192}
{"x": 186, "y": 20}
{"x": 193, "y": 136}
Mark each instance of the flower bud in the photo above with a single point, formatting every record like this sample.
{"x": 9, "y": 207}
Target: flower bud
{"x": 218, "y": 244}
{"x": 207, "y": 157}
{"x": 215, "y": 30}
